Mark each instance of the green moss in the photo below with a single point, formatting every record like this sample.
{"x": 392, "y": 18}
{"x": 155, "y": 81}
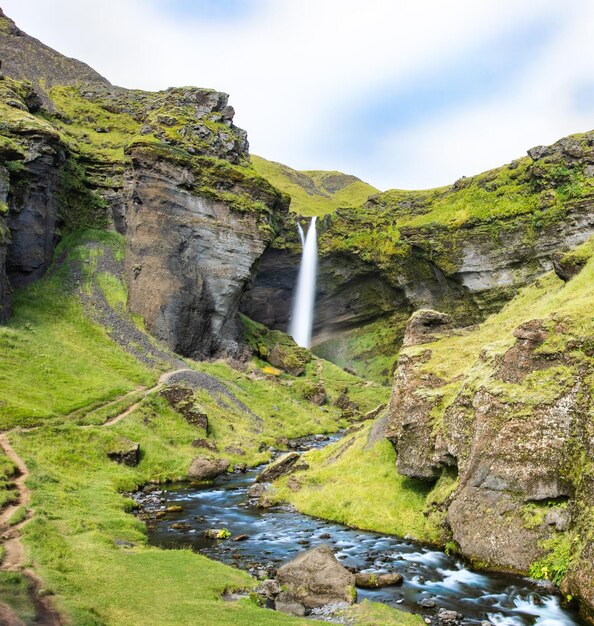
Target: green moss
{"x": 561, "y": 550}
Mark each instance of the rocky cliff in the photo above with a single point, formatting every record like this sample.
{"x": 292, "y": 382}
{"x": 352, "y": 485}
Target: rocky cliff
{"x": 168, "y": 169}
{"x": 464, "y": 249}
{"x": 504, "y": 409}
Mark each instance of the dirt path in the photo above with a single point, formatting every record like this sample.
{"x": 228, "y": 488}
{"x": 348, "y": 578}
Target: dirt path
{"x": 14, "y": 552}
{"x": 14, "y": 558}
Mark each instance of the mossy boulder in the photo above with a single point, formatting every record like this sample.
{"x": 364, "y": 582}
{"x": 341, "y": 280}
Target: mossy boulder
{"x": 124, "y": 451}
{"x": 203, "y": 468}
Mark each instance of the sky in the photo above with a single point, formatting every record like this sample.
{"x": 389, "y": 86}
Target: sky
{"x": 405, "y": 94}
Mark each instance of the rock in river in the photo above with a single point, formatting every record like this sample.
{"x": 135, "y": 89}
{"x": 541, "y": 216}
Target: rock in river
{"x": 316, "y": 578}
{"x": 207, "y": 468}
{"x": 278, "y": 468}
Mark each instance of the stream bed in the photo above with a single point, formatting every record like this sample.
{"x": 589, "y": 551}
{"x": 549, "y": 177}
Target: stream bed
{"x": 432, "y": 579}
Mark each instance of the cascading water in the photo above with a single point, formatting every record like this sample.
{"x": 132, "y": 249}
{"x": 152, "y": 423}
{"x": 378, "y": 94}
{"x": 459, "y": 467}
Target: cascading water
{"x": 305, "y": 295}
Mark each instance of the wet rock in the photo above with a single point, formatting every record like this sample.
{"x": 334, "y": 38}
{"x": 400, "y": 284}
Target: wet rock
{"x": 448, "y": 618}
{"x": 207, "y": 468}
{"x": 124, "y": 451}
{"x": 240, "y": 537}
{"x": 427, "y": 603}
{"x": 181, "y": 526}
{"x": 316, "y": 578}
{"x": 278, "y": 468}
{"x": 217, "y": 533}
{"x": 174, "y": 508}
{"x": 256, "y": 490}
{"x": 377, "y": 581}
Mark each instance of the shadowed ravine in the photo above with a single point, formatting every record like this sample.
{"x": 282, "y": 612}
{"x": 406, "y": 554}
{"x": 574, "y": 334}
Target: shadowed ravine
{"x": 277, "y": 535}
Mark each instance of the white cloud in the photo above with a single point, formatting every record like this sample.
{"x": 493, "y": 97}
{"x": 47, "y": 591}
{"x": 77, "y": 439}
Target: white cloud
{"x": 294, "y": 65}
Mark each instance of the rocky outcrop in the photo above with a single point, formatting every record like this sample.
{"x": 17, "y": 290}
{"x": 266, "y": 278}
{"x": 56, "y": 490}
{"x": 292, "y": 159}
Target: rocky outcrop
{"x": 501, "y": 413}
{"x": 5, "y": 289}
{"x": 316, "y": 578}
{"x": 192, "y": 248}
{"x": 124, "y": 451}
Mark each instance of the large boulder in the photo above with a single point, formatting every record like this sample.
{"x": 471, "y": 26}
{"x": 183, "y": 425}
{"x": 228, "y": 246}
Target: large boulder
{"x": 277, "y": 468}
{"x": 207, "y": 468}
{"x": 316, "y": 578}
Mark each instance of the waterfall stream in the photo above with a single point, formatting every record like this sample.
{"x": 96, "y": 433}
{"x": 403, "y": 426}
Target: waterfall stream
{"x": 303, "y": 307}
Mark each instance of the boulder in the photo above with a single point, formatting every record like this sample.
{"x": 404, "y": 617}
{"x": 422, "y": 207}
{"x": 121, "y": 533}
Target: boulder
{"x": 316, "y": 578}
{"x": 566, "y": 266}
{"x": 377, "y": 581}
{"x": 255, "y": 491}
{"x": 448, "y": 618}
{"x": 125, "y": 451}
{"x": 207, "y": 468}
{"x": 181, "y": 399}
{"x": 277, "y": 468}
{"x": 424, "y": 325}
{"x": 291, "y": 359}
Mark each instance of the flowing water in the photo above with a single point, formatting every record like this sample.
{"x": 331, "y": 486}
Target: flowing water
{"x": 303, "y": 306}
{"x": 277, "y": 535}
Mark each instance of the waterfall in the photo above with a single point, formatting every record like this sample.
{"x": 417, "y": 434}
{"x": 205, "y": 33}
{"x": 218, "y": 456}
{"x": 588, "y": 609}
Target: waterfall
{"x": 305, "y": 294}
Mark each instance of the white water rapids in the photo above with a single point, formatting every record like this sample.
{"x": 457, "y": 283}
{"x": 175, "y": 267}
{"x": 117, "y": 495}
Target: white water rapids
{"x": 303, "y": 307}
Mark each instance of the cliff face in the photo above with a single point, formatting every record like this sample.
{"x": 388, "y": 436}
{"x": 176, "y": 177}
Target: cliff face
{"x": 189, "y": 253}
{"x": 507, "y": 407}
{"x": 169, "y": 170}
{"x": 464, "y": 249}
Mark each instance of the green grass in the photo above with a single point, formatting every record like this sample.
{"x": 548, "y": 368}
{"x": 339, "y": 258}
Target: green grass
{"x": 20, "y": 515}
{"x": 14, "y": 592}
{"x": 356, "y": 483}
{"x": 374, "y": 614}
{"x": 314, "y": 192}
{"x": 63, "y": 360}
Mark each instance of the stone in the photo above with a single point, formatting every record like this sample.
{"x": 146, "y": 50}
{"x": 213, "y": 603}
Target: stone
{"x": 291, "y": 359}
{"x": 427, "y": 603}
{"x": 539, "y": 152}
{"x": 449, "y": 618}
{"x": 204, "y": 443}
{"x": 256, "y": 490}
{"x": 269, "y": 588}
{"x": 567, "y": 266}
{"x": 182, "y": 399}
{"x": 240, "y": 537}
{"x": 282, "y": 465}
{"x": 424, "y": 325}
{"x": 377, "y": 581}
{"x": 125, "y": 451}
{"x": 207, "y": 468}
{"x": 290, "y": 608}
{"x": 315, "y": 578}
{"x": 375, "y": 413}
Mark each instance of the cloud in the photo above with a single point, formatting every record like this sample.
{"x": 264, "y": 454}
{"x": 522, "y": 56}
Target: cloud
{"x": 410, "y": 94}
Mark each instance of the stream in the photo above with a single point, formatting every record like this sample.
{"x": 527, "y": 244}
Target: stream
{"x": 432, "y": 579}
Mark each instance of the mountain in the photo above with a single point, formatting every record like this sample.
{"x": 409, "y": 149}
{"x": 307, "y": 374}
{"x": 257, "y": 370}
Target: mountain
{"x": 147, "y": 269}
{"x": 315, "y": 192}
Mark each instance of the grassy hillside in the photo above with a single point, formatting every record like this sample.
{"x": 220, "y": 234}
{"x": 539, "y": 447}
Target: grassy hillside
{"x": 67, "y": 374}
{"x": 355, "y": 481}
{"x": 315, "y": 192}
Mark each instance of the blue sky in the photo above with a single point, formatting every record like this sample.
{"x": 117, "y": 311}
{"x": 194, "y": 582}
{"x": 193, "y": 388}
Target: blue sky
{"x": 402, "y": 94}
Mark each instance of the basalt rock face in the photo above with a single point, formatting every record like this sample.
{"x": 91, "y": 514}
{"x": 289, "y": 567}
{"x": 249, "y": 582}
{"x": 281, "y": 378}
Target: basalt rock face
{"x": 506, "y": 408}
{"x": 31, "y": 157}
{"x": 189, "y": 253}
{"x": 33, "y": 215}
